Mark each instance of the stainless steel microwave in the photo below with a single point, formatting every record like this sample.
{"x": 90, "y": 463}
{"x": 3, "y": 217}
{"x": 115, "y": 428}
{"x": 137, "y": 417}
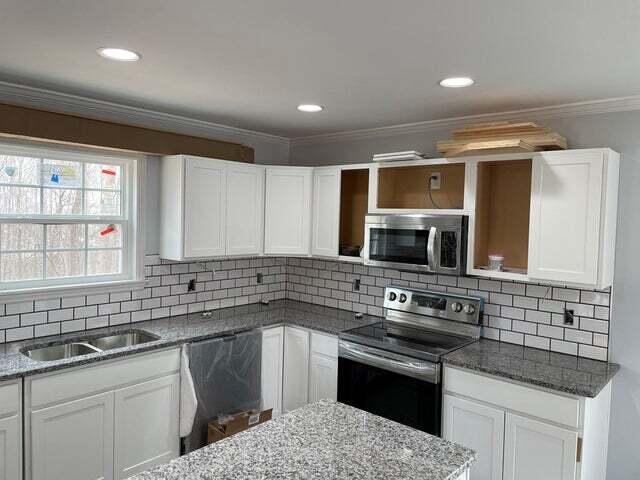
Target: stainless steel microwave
{"x": 426, "y": 243}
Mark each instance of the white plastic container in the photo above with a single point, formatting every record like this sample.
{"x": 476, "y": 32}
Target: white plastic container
{"x": 496, "y": 262}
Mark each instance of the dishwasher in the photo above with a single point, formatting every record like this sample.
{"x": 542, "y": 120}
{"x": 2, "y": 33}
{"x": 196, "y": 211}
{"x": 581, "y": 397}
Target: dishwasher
{"x": 226, "y": 378}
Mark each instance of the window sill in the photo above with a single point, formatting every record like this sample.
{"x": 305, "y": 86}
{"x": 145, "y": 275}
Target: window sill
{"x": 44, "y": 293}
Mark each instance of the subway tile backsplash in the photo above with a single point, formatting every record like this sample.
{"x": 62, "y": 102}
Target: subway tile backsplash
{"x": 525, "y": 314}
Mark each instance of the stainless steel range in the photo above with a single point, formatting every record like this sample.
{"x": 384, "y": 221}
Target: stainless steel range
{"x": 393, "y": 368}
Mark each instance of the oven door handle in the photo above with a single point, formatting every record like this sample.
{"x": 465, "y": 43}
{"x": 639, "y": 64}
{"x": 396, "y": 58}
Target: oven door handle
{"x": 431, "y": 245}
{"x": 392, "y": 362}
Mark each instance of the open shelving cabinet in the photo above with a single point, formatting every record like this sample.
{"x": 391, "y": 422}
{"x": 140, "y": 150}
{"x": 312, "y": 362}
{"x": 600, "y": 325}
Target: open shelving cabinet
{"x": 354, "y": 201}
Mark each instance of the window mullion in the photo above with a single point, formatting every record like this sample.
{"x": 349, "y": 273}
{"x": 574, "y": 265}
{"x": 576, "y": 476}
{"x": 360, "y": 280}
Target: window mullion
{"x": 86, "y": 249}
{"x": 44, "y": 252}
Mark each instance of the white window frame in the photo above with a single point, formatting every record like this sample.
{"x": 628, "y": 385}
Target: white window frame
{"x": 132, "y": 195}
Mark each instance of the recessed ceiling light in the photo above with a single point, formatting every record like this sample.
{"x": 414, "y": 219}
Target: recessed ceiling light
{"x": 119, "y": 54}
{"x": 310, "y": 108}
{"x": 457, "y": 82}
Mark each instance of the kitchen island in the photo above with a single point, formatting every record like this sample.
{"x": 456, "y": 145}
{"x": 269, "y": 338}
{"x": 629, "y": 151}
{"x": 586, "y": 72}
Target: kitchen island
{"x": 324, "y": 440}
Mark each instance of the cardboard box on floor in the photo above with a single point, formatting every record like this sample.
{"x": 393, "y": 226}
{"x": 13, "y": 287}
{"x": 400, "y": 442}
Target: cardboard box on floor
{"x": 220, "y": 429}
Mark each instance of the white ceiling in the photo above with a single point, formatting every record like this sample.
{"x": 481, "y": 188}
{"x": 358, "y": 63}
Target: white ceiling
{"x": 249, "y": 63}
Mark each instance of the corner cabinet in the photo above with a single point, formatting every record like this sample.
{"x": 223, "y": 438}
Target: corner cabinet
{"x": 107, "y": 421}
{"x": 11, "y": 430}
{"x": 210, "y": 208}
{"x": 525, "y": 433}
{"x": 287, "y": 222}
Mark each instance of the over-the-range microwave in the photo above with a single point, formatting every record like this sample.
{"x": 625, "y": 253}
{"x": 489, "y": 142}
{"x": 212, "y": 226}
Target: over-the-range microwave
{"x": 425, "y": 243}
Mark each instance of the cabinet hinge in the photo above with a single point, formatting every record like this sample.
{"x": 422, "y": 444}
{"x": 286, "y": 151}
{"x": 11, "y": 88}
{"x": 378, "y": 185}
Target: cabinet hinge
{"x": 579, "y": 451}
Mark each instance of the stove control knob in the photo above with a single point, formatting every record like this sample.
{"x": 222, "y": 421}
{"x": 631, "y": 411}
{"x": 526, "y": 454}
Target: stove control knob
{"x": 403, "y": 298}
{"x": 469, "y": 309}
{"x": 456, "y": 307}
{"x": 392, "y": 296}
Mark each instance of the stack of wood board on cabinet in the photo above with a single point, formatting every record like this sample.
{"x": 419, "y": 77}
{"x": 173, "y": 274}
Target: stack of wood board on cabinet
{"x": 501, "y": 137}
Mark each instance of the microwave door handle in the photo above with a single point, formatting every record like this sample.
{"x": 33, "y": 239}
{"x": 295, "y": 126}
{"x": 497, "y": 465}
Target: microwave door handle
{"x": 431, "y": 245}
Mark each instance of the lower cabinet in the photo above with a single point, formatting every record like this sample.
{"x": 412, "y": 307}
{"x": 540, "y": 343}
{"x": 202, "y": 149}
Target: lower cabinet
{"x": 525, "y": 433}
{"x": 146, "y": 425}
{"x": 107, "y": 421}
{"x": 298, "y": 367}
{"x": 478, "y": 427}
{"x": 10, "y": 431}
{"x": 535, "y": 450}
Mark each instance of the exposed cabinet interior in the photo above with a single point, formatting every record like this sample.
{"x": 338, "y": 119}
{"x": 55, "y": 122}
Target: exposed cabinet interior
{"x": 407, "y": 187}
{"x": 503, "y": 198}
{"x": 354, "y": 200}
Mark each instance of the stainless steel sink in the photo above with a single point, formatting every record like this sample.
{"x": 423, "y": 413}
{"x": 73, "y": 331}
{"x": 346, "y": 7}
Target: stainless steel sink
{"x": 124, "y": 339}
{"x": 58, "y": 352}
{"x": 88, "y": 345}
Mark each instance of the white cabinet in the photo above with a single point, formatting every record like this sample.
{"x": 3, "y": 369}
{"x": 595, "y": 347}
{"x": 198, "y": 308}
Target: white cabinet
{"x": 146, "y": 425}
{"x": 73, "y": 440}
{"x": 287, "y": 210}
{"x": 106, "y": 421}
{"x": 210, "y": 208}
{"x": 543, "y": 434}
{"x": 478, "y": 427}
{"x": 535, "y": 450}
{"x": 572, "y": 219}
{"x": 323, "y": 368}
{"x": 272, "y": 369}
{"x": 11, "y": 430}
{"x": 326, "y": 211}
{"x": 245, "y": 209}
{"x": 296, "y": 369}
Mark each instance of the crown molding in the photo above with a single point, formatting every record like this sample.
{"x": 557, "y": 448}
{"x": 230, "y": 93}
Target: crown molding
{"x": 49, "y": 100}
{"x": 611, "y": 105}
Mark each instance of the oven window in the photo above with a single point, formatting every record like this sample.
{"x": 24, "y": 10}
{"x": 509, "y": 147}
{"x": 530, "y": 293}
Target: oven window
{"x": 406, "y": 400}
{"x": 399, "y": 245}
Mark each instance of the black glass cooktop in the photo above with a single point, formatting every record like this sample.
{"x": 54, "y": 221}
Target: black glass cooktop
{"x": 416, "y": 342}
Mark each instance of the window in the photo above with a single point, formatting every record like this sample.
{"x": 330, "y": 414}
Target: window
{"x": 66, "y": 218}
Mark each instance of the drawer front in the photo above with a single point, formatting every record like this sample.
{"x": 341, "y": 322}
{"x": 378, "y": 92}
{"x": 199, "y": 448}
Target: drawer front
{"x": 324, "y": 344}
{"x": 60, "y": 386}
{"x": 511, "y": 396}
{"x": 9, "y": 399}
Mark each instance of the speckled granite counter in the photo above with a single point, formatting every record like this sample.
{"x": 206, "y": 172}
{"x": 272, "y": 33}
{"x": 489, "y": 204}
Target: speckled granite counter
{"x": 556, "y": 371}
{"x": 185, "y": 328}
{"x": 325, "y": 441}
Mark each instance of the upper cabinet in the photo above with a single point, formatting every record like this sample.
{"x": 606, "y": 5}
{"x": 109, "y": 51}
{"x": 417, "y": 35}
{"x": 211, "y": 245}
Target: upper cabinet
{"x": 287, "y": 227}
{"x": 423, "y": 185}
{"x": 210, "y": 208}
{"x": 325, "y": 217}
{"x": 552, "y": 216}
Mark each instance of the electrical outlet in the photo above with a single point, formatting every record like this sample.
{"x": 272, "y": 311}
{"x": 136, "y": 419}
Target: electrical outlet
{"x": 435, "y": 181}
{"x": 192, "y": 285}
{"x": 258, "y": 278}
{"x": 356, "y": 284}
{"x": 568, "y": 316}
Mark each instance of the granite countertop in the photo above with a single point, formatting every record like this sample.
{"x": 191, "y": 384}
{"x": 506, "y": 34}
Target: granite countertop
{"x": 182, "y": 329}
{"x": 325, "y": 441}
{"x": 556, "y": 371}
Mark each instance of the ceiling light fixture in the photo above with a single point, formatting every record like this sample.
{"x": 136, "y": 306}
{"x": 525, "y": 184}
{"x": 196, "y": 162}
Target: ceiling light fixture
{"x": 457, "y": 82}
{"x": 119, "y": 54}
{"x": 310, "y": 108}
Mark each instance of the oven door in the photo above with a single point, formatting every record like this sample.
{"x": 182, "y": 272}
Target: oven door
{"x": 390, "y": 385}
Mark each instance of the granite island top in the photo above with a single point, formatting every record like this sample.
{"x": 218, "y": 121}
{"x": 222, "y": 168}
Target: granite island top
{"x": 183, "y": 329}
{"x": 324, "y": 441}
{"x": 556, "y": 371}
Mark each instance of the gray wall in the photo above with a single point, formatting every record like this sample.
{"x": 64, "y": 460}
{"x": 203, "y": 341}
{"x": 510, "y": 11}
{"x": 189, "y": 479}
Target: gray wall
{"x": 620, "y": 131}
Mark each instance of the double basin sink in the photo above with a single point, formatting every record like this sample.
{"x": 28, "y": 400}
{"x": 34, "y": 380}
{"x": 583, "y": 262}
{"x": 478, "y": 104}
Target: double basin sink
{"x": 69, "y": 349}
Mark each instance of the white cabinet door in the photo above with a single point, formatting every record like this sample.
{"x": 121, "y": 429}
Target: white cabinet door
{"x": 534, "y": 450}
{"x": 245, "y": 209}
{"x": 73, "y": 440}
{"x": 478, "y": 427}
{"x": 287, "y": 210}
{"x": 326, "y": 211}
{"x": 146, "y": 425}
{"x": 296, "y": 369}
{"x": 564, "y": 228}
{"x": 272, "y": 367}
{"x": 323, "y": 377}
{"x": 204, "y": 207}
{"x": 10, "y": 449}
